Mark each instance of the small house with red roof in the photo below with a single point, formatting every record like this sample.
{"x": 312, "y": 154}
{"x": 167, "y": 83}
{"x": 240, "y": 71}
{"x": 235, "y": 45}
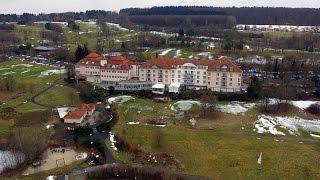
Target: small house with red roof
{"x": 77, "y": 116}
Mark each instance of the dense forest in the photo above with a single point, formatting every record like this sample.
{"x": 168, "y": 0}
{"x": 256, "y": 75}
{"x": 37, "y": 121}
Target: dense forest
{"x": 244, "y": 15}
{"x": 26, "y": 18}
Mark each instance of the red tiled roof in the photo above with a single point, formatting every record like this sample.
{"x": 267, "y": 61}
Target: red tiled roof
{"x": 87, "y": 107}
{"x": 92, "y": 59}
{"x": 121, "y": 62}
{"x": 167, "y": 63}
{"x": 81, "y": 111}
{"x": 76, "y": 114}
{"x": 93, "y": 56}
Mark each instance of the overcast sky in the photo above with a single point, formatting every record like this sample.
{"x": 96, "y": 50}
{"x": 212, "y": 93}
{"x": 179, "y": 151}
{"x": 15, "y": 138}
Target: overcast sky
{"x": 48, "y": 6}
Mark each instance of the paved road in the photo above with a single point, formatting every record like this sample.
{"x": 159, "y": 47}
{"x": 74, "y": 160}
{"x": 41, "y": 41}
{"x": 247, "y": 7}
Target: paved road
{"x": 33, "y": 97}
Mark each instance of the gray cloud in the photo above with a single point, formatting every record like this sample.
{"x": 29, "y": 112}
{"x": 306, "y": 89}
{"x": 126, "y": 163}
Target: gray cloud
{"x": 47, "y": 6}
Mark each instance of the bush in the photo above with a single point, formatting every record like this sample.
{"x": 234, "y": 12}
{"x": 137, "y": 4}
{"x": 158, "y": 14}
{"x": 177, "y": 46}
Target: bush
{"x": 103, "y": 127}
{"x": 124, "y": 145}
{"x": 33, "y": 118}
{"x": 314, "y": 109}
{"x": 276, "y": 108}
{"x": 81, "y": 131}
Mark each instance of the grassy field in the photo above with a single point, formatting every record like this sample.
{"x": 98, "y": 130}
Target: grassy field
{"x": 59, "y": 96}
{"x": 223, "y": 150}
{"x": 27, "y": 81}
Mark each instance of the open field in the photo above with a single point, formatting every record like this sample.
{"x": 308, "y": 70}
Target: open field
{"x": 28, "y": 78}
{"x": 225, "y": 148}
{"x": 59, "y": 96}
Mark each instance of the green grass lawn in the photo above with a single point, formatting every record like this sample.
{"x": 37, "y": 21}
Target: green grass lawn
{"x": 225, "y": 151}
{"x": 27, "y": 81}
{"x": 59, "y": 96}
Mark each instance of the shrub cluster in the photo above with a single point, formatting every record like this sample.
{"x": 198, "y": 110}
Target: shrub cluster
{"x": 314, "y": 109}
{"x": 124, "y": 145}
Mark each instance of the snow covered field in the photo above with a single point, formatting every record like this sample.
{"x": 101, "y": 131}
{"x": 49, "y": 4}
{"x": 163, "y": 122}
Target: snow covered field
{"x": 120, "y": 99}
{"x": 50, "y": 72}
{"x": 279, "y": 27}
{"x": 235, "y": 107}
{"x": 184, "y": 105}
{"x": 279, "y": 125}
{"x": 302, "y": 105}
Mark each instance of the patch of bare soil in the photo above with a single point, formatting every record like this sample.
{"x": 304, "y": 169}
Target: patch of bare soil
{"x": 163, "y": 159}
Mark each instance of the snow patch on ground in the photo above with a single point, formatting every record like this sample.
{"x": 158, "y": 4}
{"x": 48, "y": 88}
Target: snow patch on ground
{"x": 28, "y": 70}
{"x": 155, "y": 125}
{"x": 268, "y": 124}
{"x": 235, "y": 107}
{"x": 165, "y": 52}
{"x": 178, "y": 53}
{"x": 81, "y": 156}
{"x": 50, "y": 72}
{"x": 184, "y": 105}
{"x": 304, "y": 104}
{"x": 120, "y": 99}
{"x": 113, "y": 141}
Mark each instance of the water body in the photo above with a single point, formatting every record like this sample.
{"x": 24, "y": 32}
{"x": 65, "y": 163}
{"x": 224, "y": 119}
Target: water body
{"x": 10, "y": 160}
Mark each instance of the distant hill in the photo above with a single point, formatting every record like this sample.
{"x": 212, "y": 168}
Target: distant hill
{"x": 243, "y": 15}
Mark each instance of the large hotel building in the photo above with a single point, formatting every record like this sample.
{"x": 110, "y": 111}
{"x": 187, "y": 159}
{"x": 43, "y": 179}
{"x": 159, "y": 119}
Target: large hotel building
{"x": 217, "y": 75}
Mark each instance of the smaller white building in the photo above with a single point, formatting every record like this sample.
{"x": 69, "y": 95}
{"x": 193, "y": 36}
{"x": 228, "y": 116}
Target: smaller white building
{"x": 174, "y": 87}
{"x": 158, "y": 88}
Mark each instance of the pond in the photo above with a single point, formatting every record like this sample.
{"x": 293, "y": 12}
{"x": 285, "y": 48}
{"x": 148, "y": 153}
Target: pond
{"x": 10, "y": 160}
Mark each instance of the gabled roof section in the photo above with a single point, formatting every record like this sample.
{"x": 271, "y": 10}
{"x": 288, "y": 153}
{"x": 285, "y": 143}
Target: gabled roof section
{"x": 92, "y": 59}
{"x": 224, "y": 60}
{"x": 118, "y": 62}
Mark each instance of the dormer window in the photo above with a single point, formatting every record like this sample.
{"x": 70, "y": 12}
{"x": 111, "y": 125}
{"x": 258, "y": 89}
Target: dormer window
{"x": 224, "y": 68}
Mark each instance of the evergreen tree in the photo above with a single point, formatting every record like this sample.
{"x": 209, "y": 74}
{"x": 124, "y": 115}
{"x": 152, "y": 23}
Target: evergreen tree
{"x": 81, "y": 52}
{"x": 254, "y": 89}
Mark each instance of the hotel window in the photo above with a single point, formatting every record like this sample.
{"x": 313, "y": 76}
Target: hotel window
{"x": 198, "y": 77}
{"x": 197, "y": 81}
{"x": 231, "y": 74}
{"x": 218, "y": 74}
{"x": 217, "y": 83}
{"x": 198, "y": 72}
{"x": 172, "y": 71}
{"x": 204, "y": 72}
{"x": 204, "y": 82}
{"x": 230, "y": 84}
{"x": 154, "y": 71}
{"x": 239, "y": 84}
{"x": 230, "y": 79}
{"x": 208, "y": 82}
